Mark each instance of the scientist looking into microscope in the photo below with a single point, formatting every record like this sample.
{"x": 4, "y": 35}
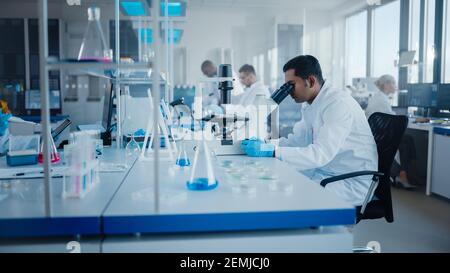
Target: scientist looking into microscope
{"x": 333, "y": 137}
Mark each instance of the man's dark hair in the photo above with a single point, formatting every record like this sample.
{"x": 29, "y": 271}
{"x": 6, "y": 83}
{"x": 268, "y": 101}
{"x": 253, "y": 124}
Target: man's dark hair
{"x": 305, "y": 66}
{"x": 248, "y": 69}
{"x": 206, "y": 63}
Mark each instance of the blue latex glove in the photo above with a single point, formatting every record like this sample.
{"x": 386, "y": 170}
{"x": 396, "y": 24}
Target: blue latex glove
{"x": 257, "y": 148}
{"x": 245, "y": 142}
{"x": 4, "y": 121}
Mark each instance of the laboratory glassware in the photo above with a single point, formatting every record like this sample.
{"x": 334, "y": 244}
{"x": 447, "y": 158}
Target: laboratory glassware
{"x": 82, "y": 165}
{"x": 202, "y": 177}
{"x": 182, "y": 158}
{"x": 94, "y": 46}
{"x": 132, "y": 150}
{"x": 54, "y": 155}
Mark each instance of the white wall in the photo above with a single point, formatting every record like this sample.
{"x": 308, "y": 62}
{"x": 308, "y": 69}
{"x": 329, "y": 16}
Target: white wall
{"x": 250, "y": 33}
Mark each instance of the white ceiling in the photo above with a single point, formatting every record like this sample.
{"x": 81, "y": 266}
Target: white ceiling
{"x": 308, "y": 4}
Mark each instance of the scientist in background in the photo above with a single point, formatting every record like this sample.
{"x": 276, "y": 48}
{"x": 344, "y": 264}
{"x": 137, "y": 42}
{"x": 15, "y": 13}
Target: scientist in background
{"x": 333, "y": 137}
{"x": 379, "y": 102}
{"x": 210, "y": 94}
{"x": 252, "y": 86}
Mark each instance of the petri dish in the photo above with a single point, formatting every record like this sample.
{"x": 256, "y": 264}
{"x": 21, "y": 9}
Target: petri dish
{"x": 244, "y": 188}
{"x": 226, "y": 164}
{"x": 237, "y": 176}
{"x": 251, "y": 163}
{"x": 282, "y": 187}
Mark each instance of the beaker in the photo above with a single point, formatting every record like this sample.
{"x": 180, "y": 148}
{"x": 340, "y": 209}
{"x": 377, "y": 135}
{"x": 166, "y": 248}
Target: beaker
{"x": 94, "y": 46}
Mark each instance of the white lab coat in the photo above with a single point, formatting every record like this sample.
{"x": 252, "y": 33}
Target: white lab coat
{"x": 379, "y": 102}
{"x": 249, "y": 95}
{"x": 333, "y": 138}
{"x": 210, "y": 94}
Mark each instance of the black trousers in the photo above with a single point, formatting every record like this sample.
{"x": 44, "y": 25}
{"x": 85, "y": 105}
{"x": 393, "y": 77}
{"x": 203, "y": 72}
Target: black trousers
{"x": 407, "y": 153}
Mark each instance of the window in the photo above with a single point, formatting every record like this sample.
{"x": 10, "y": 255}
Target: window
{"x": 414, "y": 37}
{"x": 428, "y": 43}
{"x": 355, "y": 46}
{"x": 446, "y": 44}
{"x": 385, "y": 33}
{"x": 425, "y": 52}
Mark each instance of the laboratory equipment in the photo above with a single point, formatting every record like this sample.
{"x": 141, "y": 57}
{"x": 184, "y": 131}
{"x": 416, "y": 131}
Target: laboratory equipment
{"x": 33, "y": 101}
{"x": 202, "y": 177}
{"x": 423, "y": 95}
{"x": 265, "y": 109}
{"x": 23, "y": 150}
{"x": 244, "y": 188}
{"x": 226, "y": 164}
{"x": 132, "y": 150}
{"x": 94, "y": 46}
{"x": 182, "y": 158}
{"x": 54, "y": 155}
{"x": 170, "y": 146}
{"x": 83, "y": 166}
{"x": 285, "y": 90}
{"x": 225, "y": 85}
{"x": 258, "y": 148}
{"x": 283, "y": 187}
{"x": 108, "y": 105}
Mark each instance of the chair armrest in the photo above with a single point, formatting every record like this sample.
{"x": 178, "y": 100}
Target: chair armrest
{"x": 324, "y": 182}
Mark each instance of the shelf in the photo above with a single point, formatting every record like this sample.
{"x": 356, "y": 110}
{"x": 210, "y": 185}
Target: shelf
{"x": 96, "y": 65}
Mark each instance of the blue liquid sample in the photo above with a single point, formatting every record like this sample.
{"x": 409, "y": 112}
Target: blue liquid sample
{"x": 201, "y": 184}
{"x": 183, "y": 162}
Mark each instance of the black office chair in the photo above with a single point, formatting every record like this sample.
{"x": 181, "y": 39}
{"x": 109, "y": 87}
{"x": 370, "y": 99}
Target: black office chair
{"x": 388, "y": 131}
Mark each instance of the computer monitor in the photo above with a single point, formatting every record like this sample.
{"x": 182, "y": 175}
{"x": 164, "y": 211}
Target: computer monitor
{"x": 422, "y": 95}
{"x": 108, "y": 107}
{"x": 33, "y": 102}
{"x": 443, "y": 96}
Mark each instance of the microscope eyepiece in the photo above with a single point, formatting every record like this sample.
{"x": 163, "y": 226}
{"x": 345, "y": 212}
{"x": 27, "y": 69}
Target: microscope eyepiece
{"x": 279, "y": 95}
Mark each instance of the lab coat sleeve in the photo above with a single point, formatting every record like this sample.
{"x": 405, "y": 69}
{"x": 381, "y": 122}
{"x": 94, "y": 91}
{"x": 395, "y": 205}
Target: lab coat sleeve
{"x": 297, "y": 138}
{"x": 329, "y": 138}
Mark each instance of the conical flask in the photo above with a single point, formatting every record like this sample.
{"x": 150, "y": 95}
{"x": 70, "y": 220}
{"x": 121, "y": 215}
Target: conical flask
{"x": 202, "y": 176}
{"x": 182, "y": 158}
{"x": 94, "y": 46}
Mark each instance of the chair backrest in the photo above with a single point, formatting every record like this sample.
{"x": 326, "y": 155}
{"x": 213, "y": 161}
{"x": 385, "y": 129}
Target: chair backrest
{"x": 388, "y": 132}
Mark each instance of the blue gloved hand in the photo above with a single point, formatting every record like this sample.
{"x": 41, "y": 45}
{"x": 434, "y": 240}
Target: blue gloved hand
{"x": 257, "y": 148}
{"x": 4, "y": 121}
{"x": 245, "y": 142}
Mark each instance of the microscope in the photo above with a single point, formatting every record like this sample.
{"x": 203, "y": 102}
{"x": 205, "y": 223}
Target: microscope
{"x": 227, "y": 122}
